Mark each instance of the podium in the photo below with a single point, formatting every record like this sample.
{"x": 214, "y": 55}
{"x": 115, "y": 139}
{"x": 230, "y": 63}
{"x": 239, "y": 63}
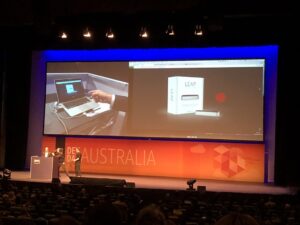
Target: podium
{"x": 44, "y": 167}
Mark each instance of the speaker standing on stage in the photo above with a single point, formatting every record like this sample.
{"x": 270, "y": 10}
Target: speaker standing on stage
{"x": 59, "y": 154}
{"x": 77, "y": 161}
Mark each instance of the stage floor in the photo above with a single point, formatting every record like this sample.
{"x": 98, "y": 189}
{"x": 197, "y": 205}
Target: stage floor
{"x": 170, "y": 183}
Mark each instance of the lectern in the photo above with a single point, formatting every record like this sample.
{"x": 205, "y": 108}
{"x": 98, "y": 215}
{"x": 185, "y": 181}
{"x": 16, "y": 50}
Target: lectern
{"x": 44, "y": 167}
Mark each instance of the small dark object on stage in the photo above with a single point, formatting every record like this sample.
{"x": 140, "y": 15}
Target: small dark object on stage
{"x": 105, "y": 182}
{"x": 130, "y": 184}
{"x": 201, "y": 188}
{"x": 6, "y": 174}
{"x": 190, "y": 183}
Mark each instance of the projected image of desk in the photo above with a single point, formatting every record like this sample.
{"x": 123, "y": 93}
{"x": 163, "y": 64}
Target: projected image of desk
{"x": 101, "y": 120}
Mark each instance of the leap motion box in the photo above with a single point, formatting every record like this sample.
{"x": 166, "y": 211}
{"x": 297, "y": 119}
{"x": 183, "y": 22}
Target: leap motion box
{"x": 185, "y": 94}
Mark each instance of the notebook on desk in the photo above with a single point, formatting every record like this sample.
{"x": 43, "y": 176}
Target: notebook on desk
{"x": 72, "y": 97}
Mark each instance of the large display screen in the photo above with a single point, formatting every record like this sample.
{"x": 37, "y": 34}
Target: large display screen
{"x": 212, "y": 98}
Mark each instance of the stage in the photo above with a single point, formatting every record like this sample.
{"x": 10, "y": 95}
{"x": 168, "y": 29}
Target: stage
{"x": 168, "y": 183}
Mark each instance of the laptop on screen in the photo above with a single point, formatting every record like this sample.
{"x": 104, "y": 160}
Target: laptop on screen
{"x": 72, "y": 98}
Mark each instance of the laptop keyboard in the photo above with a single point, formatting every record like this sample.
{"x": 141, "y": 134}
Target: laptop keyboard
{"x": 76, "y": 103}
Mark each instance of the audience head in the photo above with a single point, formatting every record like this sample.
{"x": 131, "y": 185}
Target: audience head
{"x": 123, "y": 210}
{"x": 236, "y": 219}
{"x": 64, "y": 220}
{"x": 150, "y": 215}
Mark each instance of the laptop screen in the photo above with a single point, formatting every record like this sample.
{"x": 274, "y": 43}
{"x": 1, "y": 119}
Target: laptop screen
{"x": 68, "y": 90}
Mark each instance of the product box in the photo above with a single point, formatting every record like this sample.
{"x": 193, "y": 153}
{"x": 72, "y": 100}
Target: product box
{"x": 185, "y": 94}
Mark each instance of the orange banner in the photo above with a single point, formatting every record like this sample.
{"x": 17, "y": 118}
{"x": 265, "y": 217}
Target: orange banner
{"x": 48, "y": 142}
{"x": 182, "y": 159}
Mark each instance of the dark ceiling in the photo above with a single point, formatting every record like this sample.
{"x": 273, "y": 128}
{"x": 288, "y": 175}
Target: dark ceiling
{"x": 225, "y": 22}
{"x": 28, "y": 12}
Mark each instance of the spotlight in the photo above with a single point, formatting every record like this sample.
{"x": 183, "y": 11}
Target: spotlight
{"x": 109, "y": 34}
{"x": 6, "y": 174}
{"x": 87, "y": 34}
{"x": 191, "y": 183}
{"x": 63, "y": 35}
{"x": 198, "y": 30}
{"x": 170, "y": 30}
{"x": 144, "y": 33}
